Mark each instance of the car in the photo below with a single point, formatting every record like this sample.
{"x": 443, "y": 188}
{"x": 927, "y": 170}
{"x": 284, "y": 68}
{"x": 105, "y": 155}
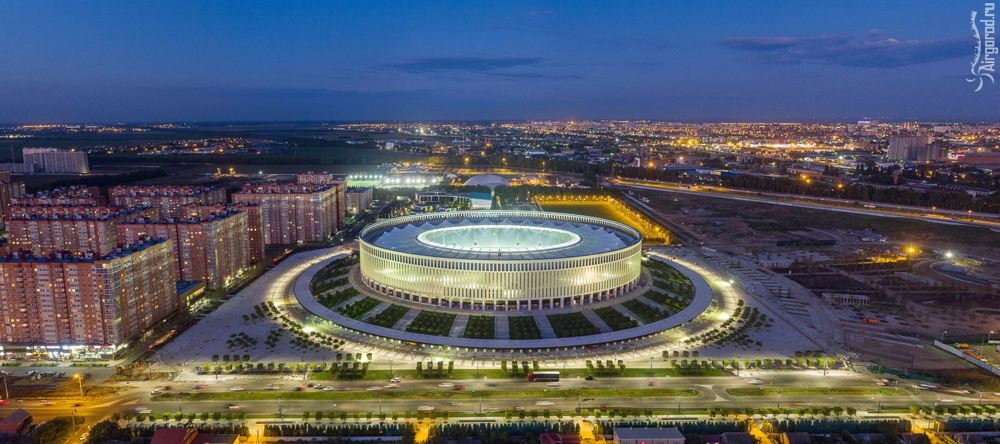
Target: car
{"x": 168, "y": 387}
{"x": 552, "y": 384}
{"x": 543, "y": 403}
{"x": 272, "y": 386}
{"x": 300, "y": 389}
{"x": 446, "y": 385}
{"x": 589, "y": 378}
{"x": 425, "y": 408}
{"x": 755, "y": 382}
{"x": 311, "y": 385}
{"x": 233, "y": 406}
{"x": 236, "y": 389}
{"x": 374, "y": 388}
{"x": 155, "y": 392}
{"x": 4, "y": 401}
{"x": 200, "y": 386}
{"x": 327, "y": 389}
{"x": 396, "y": 380}
{"x": 84, "y": 436}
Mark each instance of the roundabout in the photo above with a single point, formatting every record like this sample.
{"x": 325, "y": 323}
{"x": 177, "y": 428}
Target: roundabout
{"x": 496, "y": 282}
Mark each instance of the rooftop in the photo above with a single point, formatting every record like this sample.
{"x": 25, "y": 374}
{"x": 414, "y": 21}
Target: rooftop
{"x": 648, "y": 433}
{"x": 500, "y": 235}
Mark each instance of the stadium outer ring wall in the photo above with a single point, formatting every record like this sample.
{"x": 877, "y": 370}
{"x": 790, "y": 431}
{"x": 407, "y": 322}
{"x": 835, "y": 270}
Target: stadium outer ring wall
{"x": 501, "y": 284}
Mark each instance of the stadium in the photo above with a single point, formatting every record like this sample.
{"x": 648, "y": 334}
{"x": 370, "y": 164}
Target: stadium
{"x": 500, "y": 260}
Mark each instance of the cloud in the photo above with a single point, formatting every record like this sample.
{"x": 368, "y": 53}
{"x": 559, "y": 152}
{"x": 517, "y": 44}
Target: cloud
{"x": 871, "y": 50}
{"x": 474, "y": 65}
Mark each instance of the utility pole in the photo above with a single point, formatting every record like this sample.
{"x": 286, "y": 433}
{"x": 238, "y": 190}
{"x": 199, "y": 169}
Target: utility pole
{"x": 6, "y": 394}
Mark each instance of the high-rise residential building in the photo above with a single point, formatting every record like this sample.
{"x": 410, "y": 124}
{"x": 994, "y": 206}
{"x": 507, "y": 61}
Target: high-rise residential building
{"x": 314, "y": 178}
{"x": 358, "y": 199}
{"x": 49, "y": 160}
{"x": 294, "y": 212}
{"x": 255, "y": 223}
{"x": 79, "y": 229}
{"x": 85, "y": 301}
{"x": 74, "y": 195}
{"x": 9, "y": 190}
{"x": 214, "y": 249}
{"x": 913, "y": 148}
{"x": 169, "y": 199}
{"x": 328, "y": 178}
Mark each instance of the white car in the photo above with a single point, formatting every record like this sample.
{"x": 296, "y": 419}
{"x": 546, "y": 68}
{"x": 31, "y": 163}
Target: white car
{"x": 328, "y": 389}
{"x": 425, "y": 408}
{"x": 544, "y": 403}
{"x": 396, "y": 380}
{"x": 446, "y": 385}
{"x": 236, "y": 389}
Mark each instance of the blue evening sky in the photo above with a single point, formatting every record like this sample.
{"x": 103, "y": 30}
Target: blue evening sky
{"x": 71, "y": 61}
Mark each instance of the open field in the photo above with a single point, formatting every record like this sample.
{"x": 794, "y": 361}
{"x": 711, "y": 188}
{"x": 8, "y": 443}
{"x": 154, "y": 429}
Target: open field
{"x": 605, "y": 210}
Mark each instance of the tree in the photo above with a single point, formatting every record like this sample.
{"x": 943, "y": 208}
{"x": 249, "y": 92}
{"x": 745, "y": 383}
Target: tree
{"x": 54, "y": 430}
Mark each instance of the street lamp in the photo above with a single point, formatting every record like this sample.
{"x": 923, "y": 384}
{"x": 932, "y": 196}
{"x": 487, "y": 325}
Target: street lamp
{"x": 982, "y": 348}
{"x": 76, "y": 376}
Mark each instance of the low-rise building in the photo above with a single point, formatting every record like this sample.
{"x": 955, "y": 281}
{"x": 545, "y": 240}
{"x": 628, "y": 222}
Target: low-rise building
{"x": 648, "y": 435}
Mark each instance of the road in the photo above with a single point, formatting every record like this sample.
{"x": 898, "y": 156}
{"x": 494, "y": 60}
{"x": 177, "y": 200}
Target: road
{"x": 713, "y": 392}
{"x": 939, "y": 216}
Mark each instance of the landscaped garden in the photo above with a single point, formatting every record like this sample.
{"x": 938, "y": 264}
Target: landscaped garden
{"x": 481, "y": 327}
{"x": 388, "y": 317}
{"x": 432, "y": 323}
{"x": 332, "y": 300}
{"x": 357, "y": 310}
{"x": 523, "y": 327}
{"x": 644, "y": 311}
{"x": 615, "y": 319}
{"x": 567, "y": 325}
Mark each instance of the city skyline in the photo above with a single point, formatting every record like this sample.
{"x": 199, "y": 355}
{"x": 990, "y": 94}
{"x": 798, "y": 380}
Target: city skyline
{"x": 91, "y": 62}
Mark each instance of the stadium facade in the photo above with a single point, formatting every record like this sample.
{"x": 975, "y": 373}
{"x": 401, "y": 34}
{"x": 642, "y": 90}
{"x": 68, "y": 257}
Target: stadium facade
{"x": 500, "y": 260}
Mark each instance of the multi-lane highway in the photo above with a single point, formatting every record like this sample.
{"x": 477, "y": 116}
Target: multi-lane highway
{"x": 940, "y": 216}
